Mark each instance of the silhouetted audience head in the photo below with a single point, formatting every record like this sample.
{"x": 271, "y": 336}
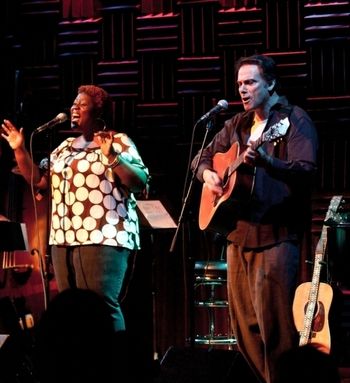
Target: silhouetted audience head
{"x": 75, "y": 340}
{"x": 307, "y": 364}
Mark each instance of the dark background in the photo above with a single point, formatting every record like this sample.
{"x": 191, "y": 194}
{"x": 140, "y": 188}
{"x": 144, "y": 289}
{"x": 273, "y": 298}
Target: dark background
{"x": 166, "y": 63}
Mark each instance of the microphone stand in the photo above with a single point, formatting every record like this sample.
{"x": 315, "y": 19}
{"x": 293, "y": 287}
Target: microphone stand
{"x": 209, "y": 126}
{"x": 189, "y": 293}
{"x": 43, "y": 259}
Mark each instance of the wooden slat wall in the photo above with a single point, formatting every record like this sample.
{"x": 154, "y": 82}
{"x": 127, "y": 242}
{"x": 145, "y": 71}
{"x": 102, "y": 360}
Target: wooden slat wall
{"x": 166, "y": 63}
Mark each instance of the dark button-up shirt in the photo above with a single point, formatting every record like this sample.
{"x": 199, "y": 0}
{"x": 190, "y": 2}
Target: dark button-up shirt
{"x": 274, "y": 207}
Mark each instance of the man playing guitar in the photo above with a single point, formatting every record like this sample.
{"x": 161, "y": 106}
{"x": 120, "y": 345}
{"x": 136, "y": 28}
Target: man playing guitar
{"x": 265, "y": 188}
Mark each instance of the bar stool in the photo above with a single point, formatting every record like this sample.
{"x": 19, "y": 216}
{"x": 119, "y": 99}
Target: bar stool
{"x": 210, "y": 293}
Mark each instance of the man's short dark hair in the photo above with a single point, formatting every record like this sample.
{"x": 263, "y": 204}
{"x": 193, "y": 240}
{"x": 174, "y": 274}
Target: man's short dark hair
{"x": 266, "y": 64}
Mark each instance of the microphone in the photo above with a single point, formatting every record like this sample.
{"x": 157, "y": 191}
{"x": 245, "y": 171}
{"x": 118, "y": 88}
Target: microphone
{"x": 221, "y": 105}
{"x": 61, "y": 117}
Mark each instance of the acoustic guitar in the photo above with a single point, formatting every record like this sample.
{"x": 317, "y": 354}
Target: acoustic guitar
{"x": 312, "y": 300}
{"x": 218, "y": 213}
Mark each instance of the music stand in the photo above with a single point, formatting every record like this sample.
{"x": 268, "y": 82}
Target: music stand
{"x": 13, "y": 236}
{"x": 154, "y": 216}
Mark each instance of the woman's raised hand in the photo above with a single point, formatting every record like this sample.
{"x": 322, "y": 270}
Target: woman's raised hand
{"x": 12, "y": 135}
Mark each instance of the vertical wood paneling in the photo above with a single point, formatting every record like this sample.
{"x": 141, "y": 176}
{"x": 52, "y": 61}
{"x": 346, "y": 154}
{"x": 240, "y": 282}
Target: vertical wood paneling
{"x": 198, "y": 25}
{"x": 329, "y": 74}
{"x": 118, "y": 33}
{"x": 166, "y": 63}
{"x": 283, "y": 24}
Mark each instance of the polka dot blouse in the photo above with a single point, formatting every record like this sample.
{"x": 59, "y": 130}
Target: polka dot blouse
{"x": 89, "y": 206}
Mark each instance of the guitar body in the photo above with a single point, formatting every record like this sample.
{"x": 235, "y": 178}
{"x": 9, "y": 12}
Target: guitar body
{"x": 218, "y": 214}
{"x": 319, "y": 332}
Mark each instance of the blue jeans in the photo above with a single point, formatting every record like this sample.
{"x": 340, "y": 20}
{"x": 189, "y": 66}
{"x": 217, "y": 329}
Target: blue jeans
{"x": 98, "y": 268}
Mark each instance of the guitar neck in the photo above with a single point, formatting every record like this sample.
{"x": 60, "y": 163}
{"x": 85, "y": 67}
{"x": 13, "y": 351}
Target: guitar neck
{"x": 239, "y": 160}
{"x": 318, "y": 262}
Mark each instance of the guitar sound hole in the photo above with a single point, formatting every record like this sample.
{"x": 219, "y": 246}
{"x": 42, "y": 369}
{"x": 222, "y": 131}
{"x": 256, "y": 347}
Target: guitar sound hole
{"x": 318, "y": 318}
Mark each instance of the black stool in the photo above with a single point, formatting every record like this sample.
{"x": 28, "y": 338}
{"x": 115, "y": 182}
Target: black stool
{"x": 210, "y": 293}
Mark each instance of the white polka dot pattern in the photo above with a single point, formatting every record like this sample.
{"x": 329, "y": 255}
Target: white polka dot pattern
{"x": 87, "y": 205}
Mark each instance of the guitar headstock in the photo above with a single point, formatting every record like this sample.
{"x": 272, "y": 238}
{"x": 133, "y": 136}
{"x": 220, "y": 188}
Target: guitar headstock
{"x": 332, "y": 215}
{"x": 276, "y": 131}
